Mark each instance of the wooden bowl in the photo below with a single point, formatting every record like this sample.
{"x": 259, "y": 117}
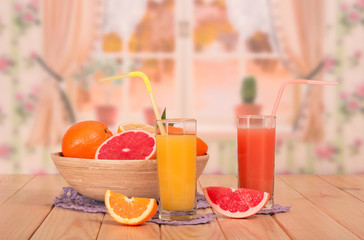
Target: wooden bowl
{"x": 133, "y": 178}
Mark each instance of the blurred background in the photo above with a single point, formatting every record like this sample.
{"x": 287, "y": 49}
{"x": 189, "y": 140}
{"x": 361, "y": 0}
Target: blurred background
{"x": 197, "y": 55}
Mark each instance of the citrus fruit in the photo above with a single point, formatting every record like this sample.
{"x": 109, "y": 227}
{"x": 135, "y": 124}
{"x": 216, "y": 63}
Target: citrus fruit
{"x": 128, "y": 145}
{"x": 202, "y": 147}
{"x": 82, "y": 139}
{"x": 129, "y": 211}
{"x": 235, "y": 203}
{"x": 173, "y": 130}
{"x": 135, "y": 126}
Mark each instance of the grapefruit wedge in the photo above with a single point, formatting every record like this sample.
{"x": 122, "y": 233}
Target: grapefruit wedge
{"x": 235, "y": 203}
{"x": 128, "y": 145}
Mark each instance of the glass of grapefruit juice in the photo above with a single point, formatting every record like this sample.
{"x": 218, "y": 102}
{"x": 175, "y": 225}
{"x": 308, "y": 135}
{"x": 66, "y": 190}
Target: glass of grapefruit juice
{"x": 256, "y": 150}
{"x": 176, "y": 157}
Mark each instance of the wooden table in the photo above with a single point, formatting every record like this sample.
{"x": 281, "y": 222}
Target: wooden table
{"x": 323, "y": 207}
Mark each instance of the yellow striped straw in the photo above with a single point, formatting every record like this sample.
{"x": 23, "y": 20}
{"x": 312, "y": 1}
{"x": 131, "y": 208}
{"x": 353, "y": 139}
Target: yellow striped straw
{"x": 149, "y": 89}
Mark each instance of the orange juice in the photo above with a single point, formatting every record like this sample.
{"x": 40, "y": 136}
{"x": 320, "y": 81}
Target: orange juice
{"x": 176, "y": 156}
{"x": 256, "y": 158}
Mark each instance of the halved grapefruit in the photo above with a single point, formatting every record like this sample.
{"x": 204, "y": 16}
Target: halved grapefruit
{"x": 235, "y": 203}
{"x": 128, "y": 145}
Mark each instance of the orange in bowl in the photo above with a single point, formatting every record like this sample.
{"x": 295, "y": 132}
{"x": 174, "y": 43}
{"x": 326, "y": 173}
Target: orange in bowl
{"x": 201, "y": 147}
{"x": 83, "y": 139}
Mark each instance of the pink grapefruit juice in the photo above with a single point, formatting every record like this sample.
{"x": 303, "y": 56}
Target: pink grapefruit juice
{"x": 256, "y": 158}
{"x": 176, "y": 157}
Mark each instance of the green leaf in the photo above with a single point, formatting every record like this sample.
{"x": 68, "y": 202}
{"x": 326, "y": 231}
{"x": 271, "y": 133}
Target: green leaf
{"x": 164, "y": 114}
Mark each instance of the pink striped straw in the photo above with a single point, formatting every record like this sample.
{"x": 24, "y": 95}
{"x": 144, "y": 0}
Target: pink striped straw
{"x": 295, "y": 81}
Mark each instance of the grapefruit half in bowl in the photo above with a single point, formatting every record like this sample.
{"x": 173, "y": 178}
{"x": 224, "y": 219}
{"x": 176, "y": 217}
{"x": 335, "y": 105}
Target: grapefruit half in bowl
{"x": 128, "y": 145}
{"x": 236, "y": 203}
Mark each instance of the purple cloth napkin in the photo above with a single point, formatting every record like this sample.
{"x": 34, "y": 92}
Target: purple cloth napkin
{"x": 71, "y": 199}
{"x": 276, "y": 209}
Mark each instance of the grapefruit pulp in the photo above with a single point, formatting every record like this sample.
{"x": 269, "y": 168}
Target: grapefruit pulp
{"x": 128, "y": 145}
{"x": 235, "y": 203}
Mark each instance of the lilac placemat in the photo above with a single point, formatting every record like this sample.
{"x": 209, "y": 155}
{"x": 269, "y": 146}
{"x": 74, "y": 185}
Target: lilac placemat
{"x": 71, "y": 199}
{"x": 276, "y": 209}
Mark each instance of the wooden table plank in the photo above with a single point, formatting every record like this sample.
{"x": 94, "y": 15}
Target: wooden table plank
{"x": 323, "y": 207}
{"x": 255, "y": 227}
{"x": 112, "y": 230}
{"x": 209, "y": 231}
{"x": 202, "y": 231}
{"x": 333, "y": 201}
{"x": 10, "y": 184}
{"x": 22, "y": 214}
{"x": 353, "y": 184}
{"x": 305, "y": 220}
{"x": 69, "y": 224}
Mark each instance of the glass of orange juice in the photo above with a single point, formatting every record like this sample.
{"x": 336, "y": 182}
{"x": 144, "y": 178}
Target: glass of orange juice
{"x": 176, "y": 157}
{"x": 256, "y": 151}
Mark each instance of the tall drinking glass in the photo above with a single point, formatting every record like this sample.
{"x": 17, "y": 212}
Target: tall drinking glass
{"x": 176, "y": 157}
{"x": 256, "y": 150}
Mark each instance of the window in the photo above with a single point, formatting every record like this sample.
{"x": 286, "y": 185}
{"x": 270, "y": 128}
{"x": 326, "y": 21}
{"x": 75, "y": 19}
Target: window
{"x": 195, "y": 56}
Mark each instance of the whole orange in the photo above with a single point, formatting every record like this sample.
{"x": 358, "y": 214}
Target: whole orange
{"x": 82, "y": 139}
{"x": 201, "y": 147}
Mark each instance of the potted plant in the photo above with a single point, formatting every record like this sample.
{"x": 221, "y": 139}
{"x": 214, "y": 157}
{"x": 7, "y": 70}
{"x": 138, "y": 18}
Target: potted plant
{"x": 248, "y": 93}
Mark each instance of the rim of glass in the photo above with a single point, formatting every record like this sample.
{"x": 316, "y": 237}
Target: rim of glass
{"x": 177, "y": 120}
{"x": 255, "y": 116}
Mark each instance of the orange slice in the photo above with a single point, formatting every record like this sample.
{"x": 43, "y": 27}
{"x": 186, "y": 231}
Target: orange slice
{"x": 129, "y": 211}
{"x": 135, "y": 126}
